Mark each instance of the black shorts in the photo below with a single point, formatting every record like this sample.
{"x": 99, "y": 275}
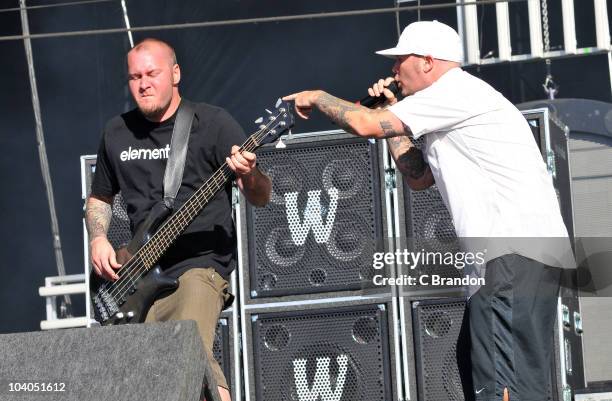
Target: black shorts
{"x": 511, "y": 326}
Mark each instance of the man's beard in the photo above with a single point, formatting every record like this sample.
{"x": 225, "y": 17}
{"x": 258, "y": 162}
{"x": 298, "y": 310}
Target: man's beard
{"x": 153, "y": 111}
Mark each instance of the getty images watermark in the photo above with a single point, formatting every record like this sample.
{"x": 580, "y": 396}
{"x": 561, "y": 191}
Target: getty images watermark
{"x": 411, "y": 260}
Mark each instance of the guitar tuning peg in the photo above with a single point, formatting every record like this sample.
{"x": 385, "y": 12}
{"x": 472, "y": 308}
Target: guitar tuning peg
{"x": 278, "y": 102}
{"x": 268, "y": 111}
{"x": 259, "y": 120}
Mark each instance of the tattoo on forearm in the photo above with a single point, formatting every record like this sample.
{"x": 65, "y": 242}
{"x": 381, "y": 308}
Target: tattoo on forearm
{"x": 337, "y": 109}
{"x": 388, "y": 130}
{"x": 400, "y": 144}
{"x": 97, "y": 218}
{"x": 395, "y": 144}
{"x": 258, "y": 188}
{"x": 411, "y": 163}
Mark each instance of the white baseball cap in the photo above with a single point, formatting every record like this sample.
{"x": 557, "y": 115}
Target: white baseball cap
{"x": 428, "y": 38}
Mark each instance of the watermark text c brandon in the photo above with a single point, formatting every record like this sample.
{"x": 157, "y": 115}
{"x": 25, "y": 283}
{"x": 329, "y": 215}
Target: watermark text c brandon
{"x": 436, "y": 259}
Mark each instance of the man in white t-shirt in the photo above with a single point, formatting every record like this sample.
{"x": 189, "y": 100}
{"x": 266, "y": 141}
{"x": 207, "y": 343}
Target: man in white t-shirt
{"x": 481, "y": 154}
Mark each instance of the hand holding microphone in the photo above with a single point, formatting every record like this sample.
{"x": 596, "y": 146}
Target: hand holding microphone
{"x": 385, "y": 90}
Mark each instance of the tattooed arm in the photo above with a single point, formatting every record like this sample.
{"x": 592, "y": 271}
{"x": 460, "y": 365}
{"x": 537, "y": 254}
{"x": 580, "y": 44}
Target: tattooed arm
{"x": 98, "y": 213}
{"x": 353, "y": 118}
{"x": 408, "y": 158}
{"x": 370, "y": 123}
{"x": 410, "y": 162}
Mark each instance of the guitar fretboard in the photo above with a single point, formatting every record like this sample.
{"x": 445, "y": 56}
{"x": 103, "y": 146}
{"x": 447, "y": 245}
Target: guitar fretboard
{"x": 150, "y": 253}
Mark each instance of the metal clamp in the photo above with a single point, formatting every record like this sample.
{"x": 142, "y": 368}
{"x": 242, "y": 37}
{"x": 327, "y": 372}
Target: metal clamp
{"x": 567, "y": 393}
{"x": 235, "y": 194}
{"x": 390, "y": 179}
{"x": 550, "y": 163}
{"x": 569, "y": 369}
{"x": 578, "y": 324}
{"x": 565, "y": 316}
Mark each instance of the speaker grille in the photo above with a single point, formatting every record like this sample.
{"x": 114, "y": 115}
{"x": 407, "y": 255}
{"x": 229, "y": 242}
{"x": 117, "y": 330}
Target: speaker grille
{"x": 119, "y": 233}
{"x": 340, "y": 354}
{"x": 221, "y": 348}
{"x": 323, "y": 223}
{"x": 436, "y": 331}
{"x": 429, "y": 228}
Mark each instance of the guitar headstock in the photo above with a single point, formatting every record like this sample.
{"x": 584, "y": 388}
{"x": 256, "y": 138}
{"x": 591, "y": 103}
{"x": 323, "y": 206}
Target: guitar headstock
{"x": 275, "y": 123}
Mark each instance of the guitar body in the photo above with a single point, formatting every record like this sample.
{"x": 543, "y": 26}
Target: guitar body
{"x": 141, "y": 280}
{"x": 134, "y": 306}
{"x": 131, "y": 304}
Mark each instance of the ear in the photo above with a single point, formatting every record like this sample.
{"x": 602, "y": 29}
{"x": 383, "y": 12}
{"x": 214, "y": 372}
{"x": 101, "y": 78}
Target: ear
{"x": 176, "y": 74}
{"x": 428, "y": 63}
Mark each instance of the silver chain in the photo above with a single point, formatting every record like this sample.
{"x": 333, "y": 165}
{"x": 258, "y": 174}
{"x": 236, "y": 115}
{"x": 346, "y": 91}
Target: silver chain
{"x": 550, "y": 87}
{"x": 544, "y": 4}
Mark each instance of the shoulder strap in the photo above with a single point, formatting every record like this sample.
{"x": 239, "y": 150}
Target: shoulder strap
{"x": 173, "y": 176}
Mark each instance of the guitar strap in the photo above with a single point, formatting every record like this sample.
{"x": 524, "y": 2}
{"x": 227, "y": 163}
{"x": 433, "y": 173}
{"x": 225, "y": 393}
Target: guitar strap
{"x": 173, "y": 176}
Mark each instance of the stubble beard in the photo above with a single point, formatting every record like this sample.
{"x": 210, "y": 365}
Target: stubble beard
{"x": 154, "y": 111}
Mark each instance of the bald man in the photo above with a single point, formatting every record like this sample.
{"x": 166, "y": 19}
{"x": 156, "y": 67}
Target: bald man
{"x": 132, "y": 159}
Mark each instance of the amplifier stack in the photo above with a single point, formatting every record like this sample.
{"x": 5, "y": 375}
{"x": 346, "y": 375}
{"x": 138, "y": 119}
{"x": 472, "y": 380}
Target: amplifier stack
{"x": 308, "y": 323}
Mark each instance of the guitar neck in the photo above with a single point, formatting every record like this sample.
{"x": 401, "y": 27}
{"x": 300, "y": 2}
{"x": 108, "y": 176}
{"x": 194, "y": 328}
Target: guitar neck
{"x": 174, "y": 226}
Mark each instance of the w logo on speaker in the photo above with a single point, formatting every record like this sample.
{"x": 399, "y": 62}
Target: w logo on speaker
{"x": 312, "y": 219}
{"x": 323, "y": 223}
{"x": 321, "y": 387}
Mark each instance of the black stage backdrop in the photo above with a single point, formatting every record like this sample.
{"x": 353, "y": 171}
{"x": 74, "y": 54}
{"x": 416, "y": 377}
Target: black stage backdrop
{"x": 244, "y": 68}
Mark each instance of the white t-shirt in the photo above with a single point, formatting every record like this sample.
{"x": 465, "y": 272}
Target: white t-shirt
{"x": 486, "y": 165}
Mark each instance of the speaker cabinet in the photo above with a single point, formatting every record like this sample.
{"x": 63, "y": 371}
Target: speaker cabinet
{"x": 437, "y": 324}
{"x": 341, "y": 350}
{"x": 223, "y": 349}
{"x": 326, "y": 219}
{"x": 435, "y": 369}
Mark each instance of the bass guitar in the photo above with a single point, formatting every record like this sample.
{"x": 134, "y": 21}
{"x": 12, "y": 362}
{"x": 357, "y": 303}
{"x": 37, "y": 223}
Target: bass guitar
{"x": 141, "y": 280}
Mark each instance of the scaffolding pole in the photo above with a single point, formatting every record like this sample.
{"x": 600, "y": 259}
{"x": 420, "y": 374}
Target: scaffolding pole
{"x": 42, "y": 154}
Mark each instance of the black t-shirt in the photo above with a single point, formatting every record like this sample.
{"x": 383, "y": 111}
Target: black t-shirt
{"x": 132, "y": 159}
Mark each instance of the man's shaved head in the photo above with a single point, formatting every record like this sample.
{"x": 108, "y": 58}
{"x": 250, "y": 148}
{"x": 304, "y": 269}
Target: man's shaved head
{"x": 149, "y": 43}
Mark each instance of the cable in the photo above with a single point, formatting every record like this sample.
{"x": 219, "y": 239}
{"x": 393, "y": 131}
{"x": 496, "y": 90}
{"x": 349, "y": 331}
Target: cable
{"x": 75, "y": 3}
{"x": 253, "y": 20}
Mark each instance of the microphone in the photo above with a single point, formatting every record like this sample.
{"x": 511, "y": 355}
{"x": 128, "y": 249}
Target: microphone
{"x": 373, "y": 101}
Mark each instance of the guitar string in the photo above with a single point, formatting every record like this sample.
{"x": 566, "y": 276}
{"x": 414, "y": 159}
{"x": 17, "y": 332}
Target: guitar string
{"x": 131, "y": 272}
{"x": 141, "y": 263}
{"x": 137, "y": 269}
{"x": 134, "y": 271}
